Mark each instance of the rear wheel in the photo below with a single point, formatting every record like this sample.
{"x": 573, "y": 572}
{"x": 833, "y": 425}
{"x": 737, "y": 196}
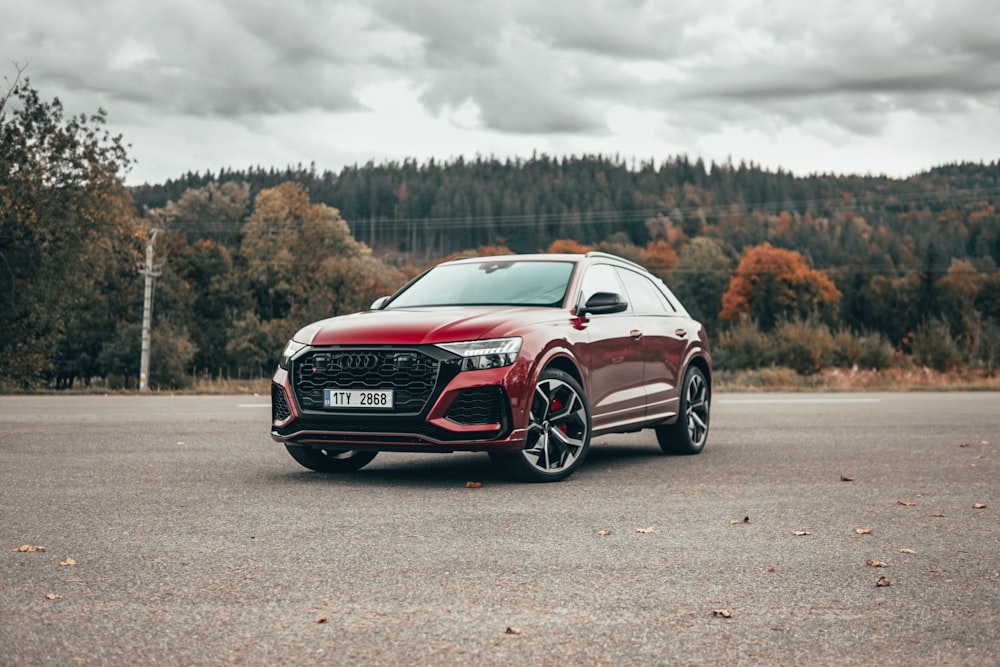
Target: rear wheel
{"x": 689, "y": 434}
{"x": 330, "y": 460}
{"x": 558, "y": 431}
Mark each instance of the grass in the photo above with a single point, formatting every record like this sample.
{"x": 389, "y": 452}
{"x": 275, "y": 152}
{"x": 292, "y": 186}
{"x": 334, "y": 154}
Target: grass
{"x": 845, "y": 379}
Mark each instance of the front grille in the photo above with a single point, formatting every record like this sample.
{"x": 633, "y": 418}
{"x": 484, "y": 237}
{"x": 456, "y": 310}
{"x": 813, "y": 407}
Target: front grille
{"x": 280, "y": 410}
{"x": 411, "y": 374}
{"x": 481, "y": 405}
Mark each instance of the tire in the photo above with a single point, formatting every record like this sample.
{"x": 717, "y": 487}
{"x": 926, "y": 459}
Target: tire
{"x": 330, "y": 460}
{"x": 690, "y": 432}
{"x": 558, "y": 431}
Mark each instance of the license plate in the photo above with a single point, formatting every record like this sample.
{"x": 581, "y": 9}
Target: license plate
{"x": 377, "y": 399}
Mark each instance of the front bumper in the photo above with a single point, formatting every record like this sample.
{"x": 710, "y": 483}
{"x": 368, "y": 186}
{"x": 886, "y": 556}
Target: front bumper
{"x": 462, "y": 411}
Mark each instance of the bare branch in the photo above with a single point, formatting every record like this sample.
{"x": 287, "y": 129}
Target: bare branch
{"x": 12, "y": 86}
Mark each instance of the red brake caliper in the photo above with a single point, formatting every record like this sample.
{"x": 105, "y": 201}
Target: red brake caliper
{"x": 554, "y": 407}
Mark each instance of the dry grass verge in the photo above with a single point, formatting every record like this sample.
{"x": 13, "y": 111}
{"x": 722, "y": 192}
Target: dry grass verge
{"x": 846, "y": 379}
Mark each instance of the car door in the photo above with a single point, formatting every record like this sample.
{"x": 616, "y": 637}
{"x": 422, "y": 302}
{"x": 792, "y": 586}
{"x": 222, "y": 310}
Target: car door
{"x": 612, "y": 356}
{"x": 665, "y": 340}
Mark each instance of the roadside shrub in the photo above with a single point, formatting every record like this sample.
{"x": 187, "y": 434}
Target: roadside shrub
{"x": 934, "y": 346}
{"x": 741, "y": 347}
{"x": 868, "y": 351}
{"x": 846, "y": 349}
{"x": 804, "y": 346}
{"x": 877, "y": 352}
{"x": 987, "y": 351}
{"x": 171, "y": 355}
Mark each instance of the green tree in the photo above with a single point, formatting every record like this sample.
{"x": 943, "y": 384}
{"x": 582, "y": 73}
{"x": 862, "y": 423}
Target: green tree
{"x": 215, "y": 211}
{"x": 700, "y": 277}
{"x": 66, "y": 228}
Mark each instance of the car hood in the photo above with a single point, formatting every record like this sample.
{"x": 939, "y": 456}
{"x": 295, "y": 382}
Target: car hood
{"x": 421, "y": 326}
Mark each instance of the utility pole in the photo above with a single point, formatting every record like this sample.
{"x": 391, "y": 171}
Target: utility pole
{"x": 149, "y": 271}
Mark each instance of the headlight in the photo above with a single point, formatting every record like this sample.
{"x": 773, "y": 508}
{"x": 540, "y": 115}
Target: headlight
{"x": 479, "y": 354}
{"x": 290, "y": 351}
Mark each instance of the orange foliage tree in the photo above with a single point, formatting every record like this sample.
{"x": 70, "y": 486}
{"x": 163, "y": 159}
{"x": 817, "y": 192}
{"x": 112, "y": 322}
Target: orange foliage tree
{"x": 771, "y": 284}
{"x": 568, "y": 246}
{"x": 659, "y": 257}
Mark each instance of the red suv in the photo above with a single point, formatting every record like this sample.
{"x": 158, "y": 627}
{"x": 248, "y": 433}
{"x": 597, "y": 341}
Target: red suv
{"x": 526, "y": 357}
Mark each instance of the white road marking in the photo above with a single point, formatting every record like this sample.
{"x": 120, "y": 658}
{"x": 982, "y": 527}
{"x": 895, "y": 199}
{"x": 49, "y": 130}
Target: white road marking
{"x": 773, "y": 401}
{"x": 254, "y": 405}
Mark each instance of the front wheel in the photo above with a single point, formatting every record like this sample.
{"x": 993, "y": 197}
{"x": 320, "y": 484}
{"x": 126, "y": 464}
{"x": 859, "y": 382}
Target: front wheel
{"x": 690, "y": 432}
{"x": 558, "y": 431}
{"x": 321, "y": 459}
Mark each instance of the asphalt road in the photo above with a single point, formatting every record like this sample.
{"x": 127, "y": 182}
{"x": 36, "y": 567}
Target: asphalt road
{"x": 198, "y": 541}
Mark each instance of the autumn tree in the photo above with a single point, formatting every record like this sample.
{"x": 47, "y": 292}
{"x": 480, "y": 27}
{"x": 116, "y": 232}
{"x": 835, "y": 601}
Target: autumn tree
{"x": 568, "y": 246}
{"x": 301, "y": 264}
{"x": 67, "y": 237}
{"x": 215, "y": 211}
{"x": 771, "y": 284}
{"x": 658, "y": 257}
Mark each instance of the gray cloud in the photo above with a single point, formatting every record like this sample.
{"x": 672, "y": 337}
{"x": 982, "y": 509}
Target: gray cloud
{"x": 520, "y": 67}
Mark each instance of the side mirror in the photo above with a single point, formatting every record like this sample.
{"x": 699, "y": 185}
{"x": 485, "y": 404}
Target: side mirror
{"x": 603, "y": 303}
{"x": 378, "y": 303}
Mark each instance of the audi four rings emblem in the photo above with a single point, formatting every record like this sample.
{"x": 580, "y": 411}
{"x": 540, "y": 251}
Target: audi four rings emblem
{"x": 358, "y": 360}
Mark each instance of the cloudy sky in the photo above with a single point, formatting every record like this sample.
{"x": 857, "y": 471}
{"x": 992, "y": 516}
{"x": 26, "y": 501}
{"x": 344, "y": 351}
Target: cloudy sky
{"x": 846, "y": 86}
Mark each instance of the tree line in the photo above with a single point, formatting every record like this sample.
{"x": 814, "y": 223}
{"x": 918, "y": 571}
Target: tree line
{"x": 883, "y": 266}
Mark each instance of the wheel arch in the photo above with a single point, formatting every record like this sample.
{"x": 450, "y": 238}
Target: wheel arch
{"x": 563, "y": 363}
{"x": 701, "y": 363}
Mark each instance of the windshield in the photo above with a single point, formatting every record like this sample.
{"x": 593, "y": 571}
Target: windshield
{"x": 489, "y": 283}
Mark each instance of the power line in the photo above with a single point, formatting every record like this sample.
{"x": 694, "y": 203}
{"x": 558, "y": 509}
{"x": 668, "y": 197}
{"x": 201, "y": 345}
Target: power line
{"x": 626, "y": 216}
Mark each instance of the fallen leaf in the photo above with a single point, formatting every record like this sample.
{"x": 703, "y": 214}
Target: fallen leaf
{"x": 473, "y": 485}
{"x": 512, "y": 631}
{"x": 909, "y": 503}
{"x": 733, "y": 522}
{"x": 908, "y": 551}
{"x": 801, "y": 533}
{"x": 68, "y": 561}
{"x": 978, "y": 506}
{"x": 53, "y": 596}
{"x": 645, "y": 530}
{"x": 746, "y": 519}
{"x": 180, "y": 442}
{"x": 772, "y": 570}
{"x": 845, "y": 478}
{"x": 863, "y": 531}
{"x": 938, "y": 514}
{"x": 605, "y": 533}
{"x": 322, "y": 619}
{"x": 883, "y": 582}
{"x": 722, "y": 613}
{"x": 877, "y": 563}
{"x": 984, "y": 442}
{"x": 28, "y": 548}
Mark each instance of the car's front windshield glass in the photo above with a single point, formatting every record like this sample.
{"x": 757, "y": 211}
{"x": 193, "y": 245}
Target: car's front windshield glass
{"x": 489, "y": 283}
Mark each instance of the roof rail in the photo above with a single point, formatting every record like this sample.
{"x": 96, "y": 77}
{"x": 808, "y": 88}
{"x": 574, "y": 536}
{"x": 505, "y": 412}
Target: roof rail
{"x": 608, "y": 255}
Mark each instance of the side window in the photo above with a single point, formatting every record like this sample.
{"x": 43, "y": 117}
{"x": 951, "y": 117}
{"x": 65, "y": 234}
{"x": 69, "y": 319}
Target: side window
{"x": 599, "y": 278}
{"x": 644, "y": 296}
